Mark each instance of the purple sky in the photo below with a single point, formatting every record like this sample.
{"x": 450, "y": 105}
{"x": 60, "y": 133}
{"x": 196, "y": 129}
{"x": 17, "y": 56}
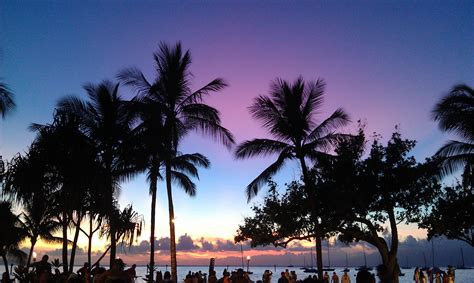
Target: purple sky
{"x": 385, "y": 62}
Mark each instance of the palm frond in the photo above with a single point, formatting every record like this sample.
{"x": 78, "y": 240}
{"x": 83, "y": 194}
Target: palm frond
{"x": 254, "y": 187}
{"x": 338, "y": 118}
{"x": 184, "y": 182}
{"x": 211, "y": 128}
{"x": 7, "y": 104}
{"x": 134, "y": 78}
{"x": 196, "y": 97}
{"x": 259, "y": 147}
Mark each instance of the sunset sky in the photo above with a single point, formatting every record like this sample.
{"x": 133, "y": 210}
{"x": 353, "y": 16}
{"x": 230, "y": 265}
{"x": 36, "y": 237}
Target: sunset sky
{"x": 384, "y": 62}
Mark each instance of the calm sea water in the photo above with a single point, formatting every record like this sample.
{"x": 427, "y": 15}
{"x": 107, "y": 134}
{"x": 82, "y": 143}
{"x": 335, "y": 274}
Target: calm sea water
{"x": 462, "y": 276}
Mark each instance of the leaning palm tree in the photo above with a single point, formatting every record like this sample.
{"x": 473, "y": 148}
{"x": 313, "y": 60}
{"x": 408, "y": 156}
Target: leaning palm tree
{"x": 288, "y": 115}
{"x": 39, "y": 222}
{"x": 6, "y": 100}
{"x": 455, "y": 114}
{"x": 105, "y": 120}
{"x": 183, "y": 111}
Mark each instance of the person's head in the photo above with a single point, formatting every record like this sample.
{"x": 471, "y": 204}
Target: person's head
{"x": 334, "y": 273}
{"x": 364, "y": 276}
{"x": 282, "y": 274}
{"x": 134, "y": 266}
{"x": 6, "y": 277}
{"x": 118, "y": 264}
{"x": 45, "y": 258}
{"x": 345, "y": 272}
{"x": 167, "y": 275}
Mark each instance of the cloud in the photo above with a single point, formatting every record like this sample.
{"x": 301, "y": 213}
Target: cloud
{"x": 411, "y": 251}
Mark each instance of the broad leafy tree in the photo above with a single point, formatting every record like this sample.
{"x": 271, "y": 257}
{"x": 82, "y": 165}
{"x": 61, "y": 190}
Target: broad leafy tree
{"x": 361, "y": 198}
{"x": 289, "y": 116}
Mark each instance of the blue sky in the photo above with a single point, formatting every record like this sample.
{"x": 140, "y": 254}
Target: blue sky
{"x": 385, "y": 62}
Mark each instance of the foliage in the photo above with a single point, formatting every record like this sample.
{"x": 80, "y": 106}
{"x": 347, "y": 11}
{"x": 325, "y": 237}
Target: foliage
{"x": 7, "y": 104}
{"x": 452, "y": 215}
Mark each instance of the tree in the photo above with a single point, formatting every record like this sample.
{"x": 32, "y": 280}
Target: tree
{"x": 455, "y": 114}
{"x": 7, "y": 104}
{"x": 359, "y": 197}
{"x": 12, "y": 234}
{"x": 451, "y": 213}
{"x": 371, "y": 196}
{"x": 66, "y": 183}
{"x": 183, "y": 111}
{"x": 105, "y": 120}
{"x": 39, "y": 222}
{"x": 288, "y": 115}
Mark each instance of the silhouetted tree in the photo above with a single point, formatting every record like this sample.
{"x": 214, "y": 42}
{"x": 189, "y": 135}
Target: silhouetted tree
{"x": 12, "y": 234}
{"x": 455, "y": 114}
{"x": 451, "y": 214}
{"x": 183, "y": 111}
{"x": 288, "y": 115}
{"x": 105, "y": 120}
{"x": 39, "y": 222}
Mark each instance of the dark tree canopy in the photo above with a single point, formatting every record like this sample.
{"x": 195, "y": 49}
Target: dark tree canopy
{"x": 358, "y": 198}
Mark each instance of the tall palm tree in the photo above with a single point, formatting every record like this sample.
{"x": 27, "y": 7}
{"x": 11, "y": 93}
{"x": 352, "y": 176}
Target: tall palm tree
{"x": 7, "y": 104}
{"x": 105, "y": 120}
{"x": 455, "y": 114}
{"x": 12, "y": 234}
{"x": 38, "y": 221}
{"x": 288, "y": 115}
{"x": 183, "y": 111}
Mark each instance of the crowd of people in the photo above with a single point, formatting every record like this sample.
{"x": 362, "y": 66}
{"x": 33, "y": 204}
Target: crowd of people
{"x": 42, "y": 272}
{"x": 434, "y": 275}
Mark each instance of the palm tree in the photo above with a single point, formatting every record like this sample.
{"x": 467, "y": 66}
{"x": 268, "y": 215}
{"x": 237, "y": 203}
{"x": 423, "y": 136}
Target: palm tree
{"x": 183, "y": 111}
{"x": 55, "y": 145}
{"x": 455, "y": 114}
{"x": 6, "y": 100}
{"x": 12, "y": 234}
{"x": 38, "y": 221}
{"x": 288, "y": 115}
{"x": 105, "y": 120}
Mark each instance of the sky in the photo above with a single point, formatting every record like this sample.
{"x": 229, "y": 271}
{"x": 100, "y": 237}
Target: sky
{"x": 385, "y": 62}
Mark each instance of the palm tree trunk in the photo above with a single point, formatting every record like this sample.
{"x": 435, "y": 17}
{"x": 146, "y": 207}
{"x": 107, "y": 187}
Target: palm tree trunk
{"x": 101, "y": 257}
{"x": 153, "y": 188}
{"x": 310, "y": 191}
{"x": 5, "y": 262}
{"x": 64, "y": 222}
{"x": 89, "y": 244}
{"x": 171, "y": 221}
{"x": 74, "y": 244}
{"x": 33, "y": 242}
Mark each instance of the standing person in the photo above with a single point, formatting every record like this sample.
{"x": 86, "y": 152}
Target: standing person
{"x": 326, "y": 277}
{"x": 416, "y": 275}
{"x": 438, "y": 278}
{"x": 334, "y": 278}
{"x": 451, "y": 274}
{"x": 267, "y": 276}
{"x": 423, "y": 278}
{"x": 212, "y": 277}
{"x": 283, "y": 278}
{"x": 345, "y": 278}
{"x": 131, "y": 272}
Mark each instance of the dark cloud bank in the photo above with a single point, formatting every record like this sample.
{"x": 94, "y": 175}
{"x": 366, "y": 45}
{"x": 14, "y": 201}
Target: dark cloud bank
{"x": 412, "y": 252}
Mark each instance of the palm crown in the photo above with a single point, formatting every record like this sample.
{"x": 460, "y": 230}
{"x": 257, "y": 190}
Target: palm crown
{"x": 288, "y": 115}
{"x": 455, "y": 114}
